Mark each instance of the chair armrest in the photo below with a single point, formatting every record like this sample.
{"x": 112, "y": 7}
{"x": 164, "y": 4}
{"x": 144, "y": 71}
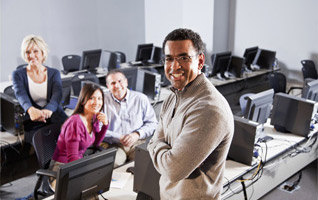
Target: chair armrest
{"x": 292, "y": 88}
{"x": 46, "y": 172}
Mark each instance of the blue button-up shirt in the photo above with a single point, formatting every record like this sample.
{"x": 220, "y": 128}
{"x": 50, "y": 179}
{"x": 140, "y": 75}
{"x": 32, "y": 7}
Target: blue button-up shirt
{"x": 133, "y": 113}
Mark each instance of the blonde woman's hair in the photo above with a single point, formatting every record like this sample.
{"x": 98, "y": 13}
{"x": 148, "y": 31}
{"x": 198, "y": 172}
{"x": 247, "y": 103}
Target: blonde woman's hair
{"x": 36, "y": 40}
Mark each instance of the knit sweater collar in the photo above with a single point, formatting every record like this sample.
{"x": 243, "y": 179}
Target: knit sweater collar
{"x": 191, "y": 88}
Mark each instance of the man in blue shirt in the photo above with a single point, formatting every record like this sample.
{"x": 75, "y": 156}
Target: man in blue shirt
{"x": 131, "y": 117}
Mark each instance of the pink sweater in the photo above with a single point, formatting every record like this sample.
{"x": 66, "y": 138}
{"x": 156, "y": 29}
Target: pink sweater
{"x": 74, "y": 139}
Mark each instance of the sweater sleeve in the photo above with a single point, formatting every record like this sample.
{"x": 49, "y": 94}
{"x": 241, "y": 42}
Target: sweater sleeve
{"x": 72, "y": 140}
{"x": 20, "y": 89}
{"x": 55, "y": 89}
{"x": 99, "y": 136}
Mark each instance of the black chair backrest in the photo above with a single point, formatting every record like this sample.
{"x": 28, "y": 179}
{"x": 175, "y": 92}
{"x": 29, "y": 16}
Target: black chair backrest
{"x": 9, "y": 90}
{"x": 44, "y": 142}
{"x": 309, "y": 69}
{"x": 71, "y": 63}
{"x": 115, "y": 59}
{"x": 79, "y": 78}
{"x": 278, "y": 82}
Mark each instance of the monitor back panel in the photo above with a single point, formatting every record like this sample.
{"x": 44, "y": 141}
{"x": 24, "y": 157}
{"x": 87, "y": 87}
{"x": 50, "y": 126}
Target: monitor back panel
{"x": 242, "y": 146}
{"x": 146, "y": 177}
{"x": 293, "y": 114}
{"x": 11, "y": 114}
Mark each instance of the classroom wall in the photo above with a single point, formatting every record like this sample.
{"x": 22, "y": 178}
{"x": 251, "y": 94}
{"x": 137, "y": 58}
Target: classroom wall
{"x": 161, "y": 17}
{"x": 290, "y": 27}
{"x": 69, "y": 27}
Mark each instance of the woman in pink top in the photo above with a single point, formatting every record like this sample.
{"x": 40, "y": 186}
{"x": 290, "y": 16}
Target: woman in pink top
{"x": 82, "y": 129}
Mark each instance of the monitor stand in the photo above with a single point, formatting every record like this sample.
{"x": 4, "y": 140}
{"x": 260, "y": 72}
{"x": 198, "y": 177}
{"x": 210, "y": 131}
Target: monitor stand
{"x": 92, "y": 71}
{"x": 221, "y": 77}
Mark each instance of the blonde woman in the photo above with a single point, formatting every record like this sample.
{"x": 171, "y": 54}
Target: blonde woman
{"x": 37, "y": 87}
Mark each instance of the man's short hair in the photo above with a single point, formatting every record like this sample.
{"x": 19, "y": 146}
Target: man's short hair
{"x": 114, "y": 71}
{"x": 185, "y": 34}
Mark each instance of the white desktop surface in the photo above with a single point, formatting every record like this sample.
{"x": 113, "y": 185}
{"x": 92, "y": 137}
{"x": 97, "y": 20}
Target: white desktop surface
{"x": 8, "y": 138}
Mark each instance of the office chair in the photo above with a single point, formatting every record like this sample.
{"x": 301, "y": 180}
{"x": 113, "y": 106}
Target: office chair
{"x": 309, "y": 69}
{"x": 71, "y": 63}
{"x": 79, "y": 78}
{"x": 44, "y": 142}
{"x": 9, "y": 90}
{"x": 115, "y": 59}
{"x": 243, "y": 102}
{"x": 278, "y": 82}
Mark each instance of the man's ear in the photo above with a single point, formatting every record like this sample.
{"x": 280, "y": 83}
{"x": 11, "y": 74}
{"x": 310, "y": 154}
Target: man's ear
{"x": 201, "y": 58}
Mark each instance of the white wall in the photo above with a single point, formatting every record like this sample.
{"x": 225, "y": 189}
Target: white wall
{"x": 69, "y": 27}
{"x": 290, "y": 27}
{"x": 161, "y": 17}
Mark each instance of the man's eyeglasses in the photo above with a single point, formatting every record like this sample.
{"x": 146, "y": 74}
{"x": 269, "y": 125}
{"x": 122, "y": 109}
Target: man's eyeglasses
{"x": 181, "y": 59}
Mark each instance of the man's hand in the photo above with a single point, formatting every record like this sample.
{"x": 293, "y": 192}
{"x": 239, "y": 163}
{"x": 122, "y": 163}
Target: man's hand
{"x": 129, "y": 139}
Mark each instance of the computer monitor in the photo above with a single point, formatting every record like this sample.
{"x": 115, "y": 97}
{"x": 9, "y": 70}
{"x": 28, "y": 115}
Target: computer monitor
{"x": 66, "y": 91}
{"x": 249, "y": 56}
{"x": 264, "y": 59}
{"x": 220, "y": 63}
{"x": 12, "y": 114}
{"x": 156, "y": 55}
{"x": 236, "y": 66}
{"x": 131, "y": 75}
{"x": 146, "y": 177}
{"x": 86, "y": 177}
{"x": 294, "y": 114}
{"x": 258, "y": 106}
{"x": 310, "y": 91}
{"x": 144, "y": 52}
{"x": 90, "y": 60}
{"x": 151, "y": 85}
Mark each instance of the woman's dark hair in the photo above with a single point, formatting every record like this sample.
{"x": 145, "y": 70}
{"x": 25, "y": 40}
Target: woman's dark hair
{"x": 185, "y": 34}
{"x": 86, "y": 92}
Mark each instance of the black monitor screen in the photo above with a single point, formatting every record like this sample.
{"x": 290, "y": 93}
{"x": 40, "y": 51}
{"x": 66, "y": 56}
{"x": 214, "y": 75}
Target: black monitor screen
{"x": 310, "y": 91}
{"x": 220, "y": 63}
{"x": 264, "y": 59}
{"x": 90, "y": 60}
{"x": 144, "y": 52}
{"x": 249, "y": 56}
{"x": 259, "y": 105}
{"x": 86, "y": 177}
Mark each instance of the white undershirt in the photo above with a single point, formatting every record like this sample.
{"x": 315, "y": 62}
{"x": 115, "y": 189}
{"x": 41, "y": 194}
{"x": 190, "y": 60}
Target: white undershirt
{"x": 38, "y": 92}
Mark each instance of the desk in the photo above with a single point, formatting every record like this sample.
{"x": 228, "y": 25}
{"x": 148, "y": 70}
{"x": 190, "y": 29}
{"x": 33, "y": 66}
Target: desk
{"x": 282, "y": 158}
{"x": 282, "y": 162}
{"x": 252, "y": 82}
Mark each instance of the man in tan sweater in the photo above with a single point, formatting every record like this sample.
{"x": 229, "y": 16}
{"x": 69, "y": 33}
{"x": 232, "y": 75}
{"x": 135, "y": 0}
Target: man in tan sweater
{"x": 191, "y": 142}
